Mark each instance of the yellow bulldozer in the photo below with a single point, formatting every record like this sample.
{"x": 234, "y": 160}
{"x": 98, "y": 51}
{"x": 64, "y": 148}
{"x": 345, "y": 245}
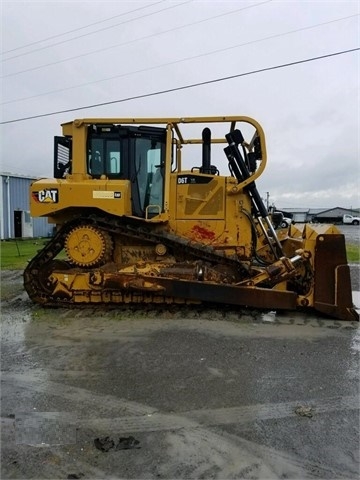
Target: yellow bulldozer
{"x": 131, "y": 225}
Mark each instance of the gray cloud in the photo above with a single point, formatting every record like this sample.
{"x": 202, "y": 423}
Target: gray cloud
{"x": 310, "y": 112}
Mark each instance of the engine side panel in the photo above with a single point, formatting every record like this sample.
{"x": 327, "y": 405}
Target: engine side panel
{"x": 50, "y": 196}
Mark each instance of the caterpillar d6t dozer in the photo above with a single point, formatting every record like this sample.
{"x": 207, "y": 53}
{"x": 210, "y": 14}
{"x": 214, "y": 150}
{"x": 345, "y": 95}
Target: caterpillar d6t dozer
{"x": 137, "y": 227}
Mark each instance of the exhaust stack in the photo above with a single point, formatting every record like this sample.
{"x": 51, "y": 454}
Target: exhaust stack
{"x": 206, "y": 151}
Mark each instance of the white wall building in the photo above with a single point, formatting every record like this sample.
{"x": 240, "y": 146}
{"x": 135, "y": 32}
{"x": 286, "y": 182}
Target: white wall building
{"x": 15, "y": 219}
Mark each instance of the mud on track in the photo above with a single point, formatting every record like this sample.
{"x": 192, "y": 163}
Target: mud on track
{"x": 206, "y": 393}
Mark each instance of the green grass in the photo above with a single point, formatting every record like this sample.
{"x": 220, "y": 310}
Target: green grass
{"x": 353, "y": 253}
{"x": 15, "y": 255}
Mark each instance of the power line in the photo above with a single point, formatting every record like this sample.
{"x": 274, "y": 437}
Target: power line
{"x": 184, "y": 87}
{"x": 135, "y": 40}
{"x": 80, "y": 28}
{"x": 177, "y": 61}
{"x": 97, "y": 31}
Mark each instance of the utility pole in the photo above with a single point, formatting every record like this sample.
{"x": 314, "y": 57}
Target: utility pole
{"x": 267, "y": 201}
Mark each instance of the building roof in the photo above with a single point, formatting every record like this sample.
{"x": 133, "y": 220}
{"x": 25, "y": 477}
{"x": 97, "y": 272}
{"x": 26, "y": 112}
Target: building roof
{"x": 338, "y": 210}
{"x": 16, "y": 175}
{"x": 315, "y": 211}
{"x": 294, "y": 210}
{"x": 318, "y": 211}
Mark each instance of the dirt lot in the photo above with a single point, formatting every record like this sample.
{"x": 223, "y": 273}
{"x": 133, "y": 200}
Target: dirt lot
{"x": 176, "y": 393}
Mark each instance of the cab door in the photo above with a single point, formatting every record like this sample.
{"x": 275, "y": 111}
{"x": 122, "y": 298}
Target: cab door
{"x": 147, "y": 172}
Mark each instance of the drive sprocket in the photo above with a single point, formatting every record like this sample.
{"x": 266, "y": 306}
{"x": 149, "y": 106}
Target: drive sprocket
{"x": 88, "y": 246}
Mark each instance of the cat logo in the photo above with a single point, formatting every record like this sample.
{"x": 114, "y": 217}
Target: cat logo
{"x": 47, "y": 195}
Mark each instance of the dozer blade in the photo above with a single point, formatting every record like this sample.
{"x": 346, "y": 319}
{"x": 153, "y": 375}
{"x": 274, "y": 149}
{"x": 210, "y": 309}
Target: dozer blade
{"x": 332, "y": 289}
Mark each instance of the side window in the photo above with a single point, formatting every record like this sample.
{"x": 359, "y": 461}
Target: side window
{"x": 148, "y": 164}
{"x": 104, "y": 157}
{"x": 27, "y": 218}
{"x": 96, "y": 157}
{"x": 142, "y": 146}
{"x": 153, "y": 159}
{"x": 113, "y": 157}
{"x": 156, "y": 175}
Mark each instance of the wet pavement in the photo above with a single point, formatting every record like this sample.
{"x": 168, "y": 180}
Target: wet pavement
{"x": 176, "y": 393}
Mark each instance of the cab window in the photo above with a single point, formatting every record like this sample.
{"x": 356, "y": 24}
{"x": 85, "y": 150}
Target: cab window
{"x": 148, "y": 157}
{"x": 104, "y": 157}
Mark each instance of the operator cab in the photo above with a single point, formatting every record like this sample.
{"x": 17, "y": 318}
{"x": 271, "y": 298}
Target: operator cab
{"x": 130, "y": 153}
{"x": 116, "y": 152}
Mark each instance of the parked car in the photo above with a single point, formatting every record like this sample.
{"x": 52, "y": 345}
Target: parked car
{"x": 285, "y": 222}
{"x": 350, "y": 220}
{"x": 279, "y": 220}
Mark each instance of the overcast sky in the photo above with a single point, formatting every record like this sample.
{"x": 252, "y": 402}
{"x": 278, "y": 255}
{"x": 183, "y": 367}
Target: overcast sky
{"x": 65, "y": 55}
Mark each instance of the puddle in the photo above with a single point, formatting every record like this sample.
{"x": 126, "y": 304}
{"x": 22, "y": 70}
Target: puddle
{"x": 356, "y": 300}
{"x": 13, "y": 325}
{"x": 268, "y": 317}
{"x": 42, "y": 429}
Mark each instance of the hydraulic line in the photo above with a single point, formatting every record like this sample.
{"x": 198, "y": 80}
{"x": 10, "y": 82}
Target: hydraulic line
{"x": 242, "y": 173}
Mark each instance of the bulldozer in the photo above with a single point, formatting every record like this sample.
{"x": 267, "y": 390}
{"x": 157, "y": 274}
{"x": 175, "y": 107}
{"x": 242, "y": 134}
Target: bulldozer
{"x": 133, "y": 225}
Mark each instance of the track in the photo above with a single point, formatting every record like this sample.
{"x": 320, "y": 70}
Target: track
{"x": 206, "y": 276}
{"x": 38, "y": 271}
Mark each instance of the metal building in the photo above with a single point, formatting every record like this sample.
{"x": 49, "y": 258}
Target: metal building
{"x": 298, "y": 215}
{"x": 334, "y": 215}
{"x": 15, "y": 219}
{"x": 318, "y": 215}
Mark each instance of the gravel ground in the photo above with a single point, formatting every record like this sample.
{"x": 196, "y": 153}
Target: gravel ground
{"x": 351, "y": 232}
